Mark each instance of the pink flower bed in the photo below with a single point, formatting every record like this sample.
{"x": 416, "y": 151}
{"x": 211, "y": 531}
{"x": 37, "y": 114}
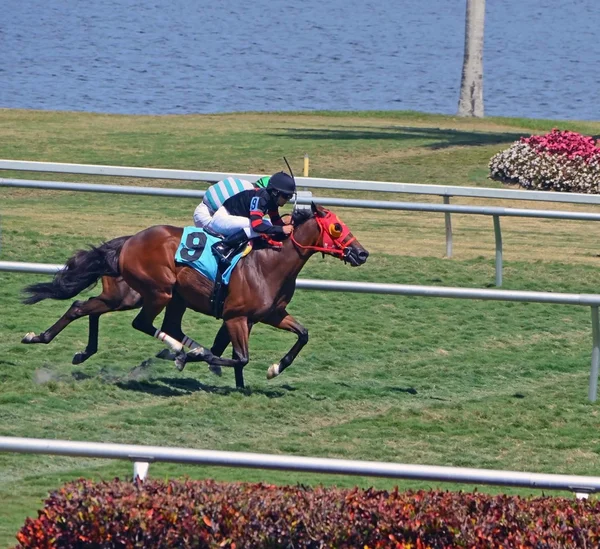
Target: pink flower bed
{"x": 566, "y": 143}
{"x": 560, "y": 160}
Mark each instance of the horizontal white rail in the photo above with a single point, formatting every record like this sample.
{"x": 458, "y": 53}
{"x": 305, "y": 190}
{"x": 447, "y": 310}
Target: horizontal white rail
{"x": 446, "y": 208}
{"x": 381, "y": 288}
{"x": 342, "y": 184}
{"x": 302, "y": 199}
{"x": 590, "y": 300}
{"x": 151, "y": 454}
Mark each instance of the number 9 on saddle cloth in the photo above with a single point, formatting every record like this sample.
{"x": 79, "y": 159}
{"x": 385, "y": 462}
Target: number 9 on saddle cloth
{"x": 195, "y": 251}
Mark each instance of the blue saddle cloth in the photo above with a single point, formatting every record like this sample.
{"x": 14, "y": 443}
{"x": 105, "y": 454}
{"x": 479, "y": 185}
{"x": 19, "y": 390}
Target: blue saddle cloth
{"x": 195, "y": 250}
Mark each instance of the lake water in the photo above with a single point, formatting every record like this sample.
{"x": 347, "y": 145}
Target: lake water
{"x": 541, "y": 59}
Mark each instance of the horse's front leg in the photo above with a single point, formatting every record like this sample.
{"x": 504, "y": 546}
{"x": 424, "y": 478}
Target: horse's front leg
{"x": 221, "y": 342}
{"x": 172, "y": 326}
{"x": 222, "y": 339}
{"x": 238, "y": 330}
{"x": 285, "y": 321}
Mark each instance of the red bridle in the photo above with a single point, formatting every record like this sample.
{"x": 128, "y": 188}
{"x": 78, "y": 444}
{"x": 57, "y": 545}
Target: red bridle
{"x": 334, "y": 235}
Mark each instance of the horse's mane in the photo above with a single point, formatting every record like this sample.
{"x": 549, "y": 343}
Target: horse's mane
{"x": 300, "y": 215}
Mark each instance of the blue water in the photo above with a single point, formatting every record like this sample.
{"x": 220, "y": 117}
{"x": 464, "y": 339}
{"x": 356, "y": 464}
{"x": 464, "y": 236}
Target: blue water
{"x": 541, "y": 59}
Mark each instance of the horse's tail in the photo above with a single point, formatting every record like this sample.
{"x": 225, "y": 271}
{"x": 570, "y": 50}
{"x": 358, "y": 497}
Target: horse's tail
{"x": 81, "y": 271}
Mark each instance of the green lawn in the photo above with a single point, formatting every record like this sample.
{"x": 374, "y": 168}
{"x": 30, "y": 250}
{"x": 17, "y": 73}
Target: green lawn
{"x": 405, "y": 379}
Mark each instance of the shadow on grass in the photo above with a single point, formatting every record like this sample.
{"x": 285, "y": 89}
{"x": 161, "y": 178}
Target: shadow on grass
{"x": 142, "y": 379}
{"x": 441, "y": 138}
{"x": 181, "y": 386}
{"x": 409, "y": 390}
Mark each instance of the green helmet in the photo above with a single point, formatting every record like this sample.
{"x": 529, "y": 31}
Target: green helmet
{"x": 262, "y": 182}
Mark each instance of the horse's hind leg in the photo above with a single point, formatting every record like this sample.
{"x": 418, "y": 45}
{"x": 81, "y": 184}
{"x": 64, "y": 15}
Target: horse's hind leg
{"x": 75, "y": 311}
{"x": 285, "y": 321}
{"x": 92, "y": 344}
{"x": 116, "y": 296}
{"x": 93, "y": 307}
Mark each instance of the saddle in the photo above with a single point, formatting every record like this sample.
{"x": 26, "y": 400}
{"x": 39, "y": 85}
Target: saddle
{"x": 195, "y": 251}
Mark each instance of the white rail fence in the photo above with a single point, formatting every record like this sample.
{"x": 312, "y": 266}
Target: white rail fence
{"x": 589, "y": 300}
{"x": 447, "y": 209}
{"x": 142, "y": 456}
{"x": 311, "y": 182}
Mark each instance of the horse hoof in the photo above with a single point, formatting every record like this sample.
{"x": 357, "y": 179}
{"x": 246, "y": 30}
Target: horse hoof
{"x": 198, "y": 354}
{"x": 180, "y": 360}
{"x": 273, "y": 371}
{"x": 29, "y": 337}
{"x": 79, "y": 358}
{"x": 165, "y": 354}
{"x": 215, "y": 369}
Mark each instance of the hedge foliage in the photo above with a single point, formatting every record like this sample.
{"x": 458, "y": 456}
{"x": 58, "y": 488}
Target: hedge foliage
{"x": 209, "y": 514}
{"x": 559, "y": 161}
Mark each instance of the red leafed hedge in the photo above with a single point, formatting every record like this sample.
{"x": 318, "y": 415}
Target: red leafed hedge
{"x": 203, "y": 514}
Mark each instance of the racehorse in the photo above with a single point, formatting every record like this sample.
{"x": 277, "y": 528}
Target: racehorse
{"x": 260, "y": 288}
{"x": 116, "y": 295}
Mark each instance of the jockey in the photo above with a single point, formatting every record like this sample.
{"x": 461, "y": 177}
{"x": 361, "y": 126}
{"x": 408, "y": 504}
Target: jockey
{"x": 217, "y": 194}
{"x": 242, "y": 216}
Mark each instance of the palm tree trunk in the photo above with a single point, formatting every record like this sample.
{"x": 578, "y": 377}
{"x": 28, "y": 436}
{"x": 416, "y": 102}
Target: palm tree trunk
{"x": 471, "y": 86}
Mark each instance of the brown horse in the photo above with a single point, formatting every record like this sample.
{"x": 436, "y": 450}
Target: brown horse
{"x": 116, "y": 295}
{"x": 260, "y": 288}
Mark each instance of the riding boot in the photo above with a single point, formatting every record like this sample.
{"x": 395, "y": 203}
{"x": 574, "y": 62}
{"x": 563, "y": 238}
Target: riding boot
{"x": 228, "y": 247}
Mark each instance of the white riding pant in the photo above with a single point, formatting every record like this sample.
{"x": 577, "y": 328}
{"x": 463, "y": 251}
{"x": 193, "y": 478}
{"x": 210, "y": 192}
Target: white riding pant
{"x": 225, "y": 223}
{"x": 202, "y": 215}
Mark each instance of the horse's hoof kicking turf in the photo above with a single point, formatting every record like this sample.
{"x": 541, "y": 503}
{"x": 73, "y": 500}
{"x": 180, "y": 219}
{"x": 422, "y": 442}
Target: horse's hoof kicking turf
{"x": 273, "y": 371}
{"x": 165, "y": 354}
{"x": 78, "y": 358}
{"x": 180, "y": 360}
{"x": 28, "y": 337}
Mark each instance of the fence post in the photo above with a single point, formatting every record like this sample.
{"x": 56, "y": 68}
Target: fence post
{"x": 448, "y": 229}
{"x": 498, "y": 234}
{"x": 593, "y": 390}
{"x": 140, "y": 470}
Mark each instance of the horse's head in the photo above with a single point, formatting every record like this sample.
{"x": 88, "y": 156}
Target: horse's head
{"x": 334, "y": 236}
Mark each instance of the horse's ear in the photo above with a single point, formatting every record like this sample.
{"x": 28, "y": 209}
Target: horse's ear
{"x": 315, "y": 210}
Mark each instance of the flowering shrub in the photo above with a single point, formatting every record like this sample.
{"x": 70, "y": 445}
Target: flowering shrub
{"x": 559, "y": 161}
{"x": 208, "y": 514}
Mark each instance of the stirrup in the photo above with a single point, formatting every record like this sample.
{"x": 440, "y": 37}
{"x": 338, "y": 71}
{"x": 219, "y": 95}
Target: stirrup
{"x": 222, "y": 252}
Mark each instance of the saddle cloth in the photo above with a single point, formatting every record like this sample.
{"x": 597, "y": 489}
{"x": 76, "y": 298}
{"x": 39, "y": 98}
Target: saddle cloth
{"x": 195, "y": 250}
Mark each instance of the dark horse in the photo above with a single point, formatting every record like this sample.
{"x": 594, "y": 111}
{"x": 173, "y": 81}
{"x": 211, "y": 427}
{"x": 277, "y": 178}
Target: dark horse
{"x": 260, "y": 288}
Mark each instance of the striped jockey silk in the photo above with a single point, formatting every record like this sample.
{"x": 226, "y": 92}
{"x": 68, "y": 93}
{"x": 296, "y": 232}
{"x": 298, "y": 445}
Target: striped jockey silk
{"x": 221, "y": 191}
